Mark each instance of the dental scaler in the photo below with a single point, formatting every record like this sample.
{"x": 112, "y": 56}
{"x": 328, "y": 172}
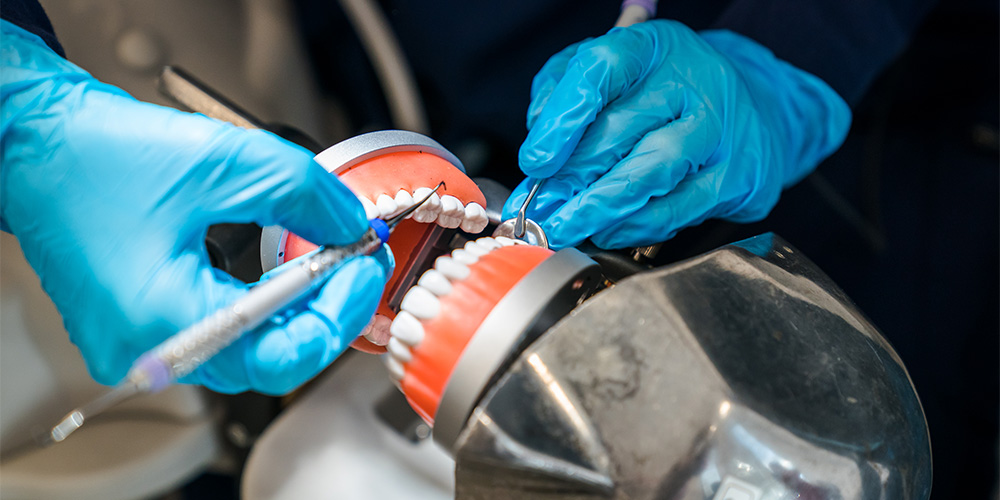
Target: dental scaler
{"x": 184, "y": 352}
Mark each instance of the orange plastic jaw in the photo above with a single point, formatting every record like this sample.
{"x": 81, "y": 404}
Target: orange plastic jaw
{"x": 462, "y": 311}
{"x": 388, "y": 174}
{"x": 409, "y": 170}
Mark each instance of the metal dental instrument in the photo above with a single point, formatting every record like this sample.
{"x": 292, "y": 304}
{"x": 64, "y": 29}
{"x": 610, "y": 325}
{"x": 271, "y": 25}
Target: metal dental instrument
{"x": 519, "y": 221}
{"x": 521, "y": 227}
{"x": 185, "y": 351}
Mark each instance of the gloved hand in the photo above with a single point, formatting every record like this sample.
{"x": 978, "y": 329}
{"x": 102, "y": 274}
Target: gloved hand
{"x": 111, "y": 198}
{"x": 653, "y": 128}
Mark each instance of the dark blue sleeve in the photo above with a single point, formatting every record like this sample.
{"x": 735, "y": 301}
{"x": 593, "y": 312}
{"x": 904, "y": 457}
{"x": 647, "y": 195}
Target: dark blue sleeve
{"x": 29, "y": 16}
{"x": 847, "y": 43}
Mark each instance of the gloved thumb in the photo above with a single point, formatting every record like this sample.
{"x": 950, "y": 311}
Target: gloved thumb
{"x": 258, "y": 177}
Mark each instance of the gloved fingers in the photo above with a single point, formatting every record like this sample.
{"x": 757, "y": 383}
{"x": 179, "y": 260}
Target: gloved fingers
{"x": 386, "y": 259}
{"x": 289, "y": 351}
{"x": 546, "y": 79}
{"x": 210, "y": 172}
{"x": 616, "y": 132}
{"x": 613, "y": 134}
{"x": 383, "y": 256}
{"x": 801, "y": 109}
{"x": 261, "y": 178}
{"x": 608, "y": 139}
{"x": 695, "y": 199}
{"x": 284, "y": 359}
{"x": 601, "y": 71}
{"x": 654, "y": 167}
{"x": 553, "y": 193}
{"x": 166, "y": 297}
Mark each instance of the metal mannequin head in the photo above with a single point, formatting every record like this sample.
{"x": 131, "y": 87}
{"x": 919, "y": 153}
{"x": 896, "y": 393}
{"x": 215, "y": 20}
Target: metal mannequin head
{"x": 741, "y": 374}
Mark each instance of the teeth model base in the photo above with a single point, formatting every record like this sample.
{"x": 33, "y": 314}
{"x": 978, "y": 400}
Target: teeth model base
{"x": 440, "y": 315}
{"x": 389, "y": 173}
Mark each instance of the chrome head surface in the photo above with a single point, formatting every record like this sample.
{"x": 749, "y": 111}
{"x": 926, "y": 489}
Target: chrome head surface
{"x": 743, "y": 373}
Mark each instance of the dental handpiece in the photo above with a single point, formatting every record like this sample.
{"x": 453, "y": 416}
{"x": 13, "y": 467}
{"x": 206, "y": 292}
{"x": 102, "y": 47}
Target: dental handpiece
{"x": 185, "y": 351}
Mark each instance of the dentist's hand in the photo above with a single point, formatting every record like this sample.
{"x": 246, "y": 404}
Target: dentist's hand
{"x": 110, "y": 199}
{"x": 653, "y": 128}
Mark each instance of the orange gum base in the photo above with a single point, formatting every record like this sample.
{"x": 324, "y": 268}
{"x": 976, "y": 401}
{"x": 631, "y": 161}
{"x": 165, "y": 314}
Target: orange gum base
{"x": 387, "y": 174}
{"x": 462, "y": 311}
{"x": 409, "y": 170}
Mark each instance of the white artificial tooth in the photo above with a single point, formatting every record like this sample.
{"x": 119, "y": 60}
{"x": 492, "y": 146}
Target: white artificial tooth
{"x": 476, "y": 249}
{"x": 452, "y": 207}
{"x": 436, "y": 282}
{"x": 403, "y": 201}
{"x": 386, "y": 206}
{"x": 475, "y": 218}
{"x": 448, "y": 221}
{"x": 399, "y": 350}
{"x": 474, "y": 226}
{"x": 434, "y": 202}
{"x": 429, "y": 210}
{"x": 451, "y": 269}
{"x": 483, "y": 219}
{"x": 464, "y": 256}
{"x": 488, "y": 242}
{"x": 396, "y": 370}
{"x": 474, "y": 209}
{"x": 505, "y": 241}
{"x": 407, "y": 329}
{"x": 424, "y": 216}
{"x": 371, "y": 211}
{"x": 421, "y": 303}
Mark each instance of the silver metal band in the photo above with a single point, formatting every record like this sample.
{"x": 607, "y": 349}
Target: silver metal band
{"x": 350, "y": 152}
{"x": 533, "y": 305}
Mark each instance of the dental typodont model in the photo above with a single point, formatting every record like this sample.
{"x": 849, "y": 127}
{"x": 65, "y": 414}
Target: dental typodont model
{"x": 444, "y": 310}
{"x": 539, "y": 379}
{"x": 388, "y": 171}
{"x": 452, "y": 306}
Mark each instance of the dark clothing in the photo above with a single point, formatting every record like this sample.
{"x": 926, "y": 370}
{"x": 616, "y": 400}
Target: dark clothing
{"x": 29, "y": 16}
{"x": 847, "y": 43}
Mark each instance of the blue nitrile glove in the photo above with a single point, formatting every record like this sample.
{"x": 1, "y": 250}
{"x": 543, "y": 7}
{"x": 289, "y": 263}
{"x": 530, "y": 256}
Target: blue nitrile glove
{"x": 111, "y": 198}
{"x": 653, "y": 128}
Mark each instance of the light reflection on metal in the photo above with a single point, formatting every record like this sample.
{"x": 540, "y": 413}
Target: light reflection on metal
{"x": 724, "y": 409}
{"x": 558, "y": 393}
{"x": 528, "y": 458}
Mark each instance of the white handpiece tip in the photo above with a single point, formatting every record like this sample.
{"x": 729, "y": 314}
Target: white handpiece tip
{"x": 66, "y": 426}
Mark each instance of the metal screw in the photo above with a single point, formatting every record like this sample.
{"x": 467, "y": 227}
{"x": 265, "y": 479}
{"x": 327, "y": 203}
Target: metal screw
{"x": 423, "y": 431}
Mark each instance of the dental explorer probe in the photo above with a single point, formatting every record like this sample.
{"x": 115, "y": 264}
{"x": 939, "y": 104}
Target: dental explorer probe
{"x": 185, "y": 351}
